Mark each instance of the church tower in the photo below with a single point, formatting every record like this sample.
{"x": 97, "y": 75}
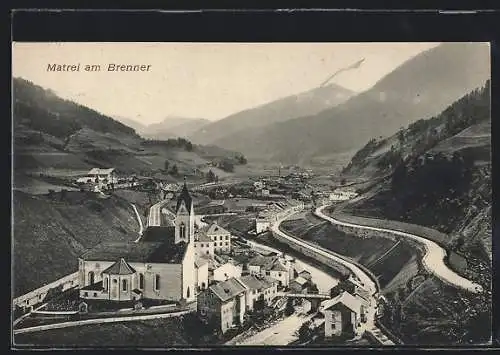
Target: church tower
{"x": 184, "y": 219}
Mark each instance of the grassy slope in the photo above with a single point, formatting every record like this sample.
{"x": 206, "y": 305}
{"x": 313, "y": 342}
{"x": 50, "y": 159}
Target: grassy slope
{"x": 49, "y": 234}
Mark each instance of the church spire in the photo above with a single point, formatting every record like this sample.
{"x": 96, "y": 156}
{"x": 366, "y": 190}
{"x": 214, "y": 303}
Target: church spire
{"x": 184, "y": 196}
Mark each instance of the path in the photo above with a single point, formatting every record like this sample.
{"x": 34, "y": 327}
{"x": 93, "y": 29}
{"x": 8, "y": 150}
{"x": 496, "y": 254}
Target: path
{"x": 141, "y": 227}
{"x": 281, "y": 333}
{"x": 99, "y": 321}
{"x": 433, "y": 259}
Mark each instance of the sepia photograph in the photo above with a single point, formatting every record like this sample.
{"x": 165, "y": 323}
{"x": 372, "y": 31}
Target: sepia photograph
{"x": 204, "y": 194}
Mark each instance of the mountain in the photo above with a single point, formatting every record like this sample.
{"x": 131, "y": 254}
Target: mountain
{"x": 435, "y": 173}
{"x": 420, "y": 88}
{"x": 438, "y": 174}
{"x": 173, "y": 127}
{"x": 137, "y": 126}
{"x": 57, "y": 137}
{"x": 293, "y": 106}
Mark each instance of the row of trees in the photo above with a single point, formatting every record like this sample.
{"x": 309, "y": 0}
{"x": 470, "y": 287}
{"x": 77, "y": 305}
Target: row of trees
{"x": 170, "y": 143}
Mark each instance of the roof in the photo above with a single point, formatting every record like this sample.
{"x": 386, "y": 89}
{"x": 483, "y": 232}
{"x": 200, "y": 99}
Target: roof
{"x": 152, "y": 252}
{"x": 97, "y": 171}
{"x": 121, "y": 267}
{"x": 216, "y": 229}
{"x": 185, "y": 197}
{"x": 300, "y": 280}
{"x": 345, "y": 298}
{"x": 254, "y": 283}
{"x": 305, "y": 274}
{"x": 201, "y": 236}
{"x": 158, "y": 234}
{"x": 268, "y": 263}
{"x": 94, "y": 287}
{"x": 227, "y": 289}
{"x": 200, "y": 261}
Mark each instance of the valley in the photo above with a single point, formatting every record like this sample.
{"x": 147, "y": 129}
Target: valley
{"x": 332, "y": 216}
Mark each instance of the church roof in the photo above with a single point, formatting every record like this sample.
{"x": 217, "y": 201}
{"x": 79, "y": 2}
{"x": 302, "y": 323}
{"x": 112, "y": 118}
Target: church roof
{"x": 158, "y": 234}
{"x": 184, "y": 196}
{"x": 121, "y": 267}
{"x": 144, "y": 252}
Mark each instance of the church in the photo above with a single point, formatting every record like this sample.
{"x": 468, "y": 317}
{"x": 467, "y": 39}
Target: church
{"x": 160, "y": 266}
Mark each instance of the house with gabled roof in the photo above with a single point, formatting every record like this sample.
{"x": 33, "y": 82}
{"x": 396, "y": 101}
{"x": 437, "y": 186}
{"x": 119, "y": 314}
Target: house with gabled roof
{"x": 343, "y": 315}
{"x": 223, "y": 304}
{"x": 271, "y": 266}
{"x": 259, "y": 288}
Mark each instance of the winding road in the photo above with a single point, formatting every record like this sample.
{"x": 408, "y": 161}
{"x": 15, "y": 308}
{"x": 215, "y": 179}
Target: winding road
{"x": 367, "y": 280}
{"x": 433, "y": 259}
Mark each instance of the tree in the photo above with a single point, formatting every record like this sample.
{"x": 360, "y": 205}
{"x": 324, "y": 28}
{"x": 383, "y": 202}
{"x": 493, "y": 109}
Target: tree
{"x": 211, "y": 177}
{"x": 289, "y": 307}
{"x": 167, "y": 163}
{"x": 227, "y": 165}
{"x": 305, "y": 331}
{"x": 174, "y": 171}
{"x": 242, "y": 160}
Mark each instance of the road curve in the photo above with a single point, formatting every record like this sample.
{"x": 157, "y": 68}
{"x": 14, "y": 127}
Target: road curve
{"x": 433, "y": 259}
{"x": 365, "y": 277}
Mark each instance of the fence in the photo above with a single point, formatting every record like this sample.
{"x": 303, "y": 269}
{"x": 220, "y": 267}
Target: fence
{"x": 37, "y": 296}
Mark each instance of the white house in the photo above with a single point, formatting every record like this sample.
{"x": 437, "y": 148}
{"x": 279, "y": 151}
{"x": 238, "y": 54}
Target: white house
{"x": 342, "y": 195}
{"x": 271, "y": 266}
{"x": 259, "y": 288}
{"x": 342, "y": 315}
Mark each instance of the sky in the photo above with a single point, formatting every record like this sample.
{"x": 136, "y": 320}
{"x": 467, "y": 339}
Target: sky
{"x": 201, "y": 80}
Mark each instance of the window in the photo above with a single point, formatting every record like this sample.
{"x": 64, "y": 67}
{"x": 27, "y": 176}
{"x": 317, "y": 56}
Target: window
{"x": 182, "y": 231}
{"x": 115, "y": 281}
{"x": 91, "y": 278}
{"x": 220, "y": 244}
{"x": 124, "y": 285}
{"x": 202, "y": 245}
{"x": 227, "y": 244}
{"x": 86, "y": 294}
{"x": 95, "y": 294}
{"x": 105, "y": 284}
{"x": 268, "y": 273}
{"x": 333, "y": 325}
{"x": 39, "y": 297}
{"x": 141, "y": 281}
{"x": 157, "y": 282}
{"x": 188, "y": 293}
{"x": 207, "y": 252}
{"x": 279, "y": 274}
{"x": 27, "y": 302}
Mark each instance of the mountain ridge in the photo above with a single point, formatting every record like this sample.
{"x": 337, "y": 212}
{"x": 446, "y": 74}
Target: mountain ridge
{"x": 441, "y": 75}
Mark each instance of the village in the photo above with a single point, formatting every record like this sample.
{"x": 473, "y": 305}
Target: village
{"x": 185, "y": 262}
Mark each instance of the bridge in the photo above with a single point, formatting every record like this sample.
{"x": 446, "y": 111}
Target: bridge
{"x": 321, "y": 296}
{"x": 154, "y": 218}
